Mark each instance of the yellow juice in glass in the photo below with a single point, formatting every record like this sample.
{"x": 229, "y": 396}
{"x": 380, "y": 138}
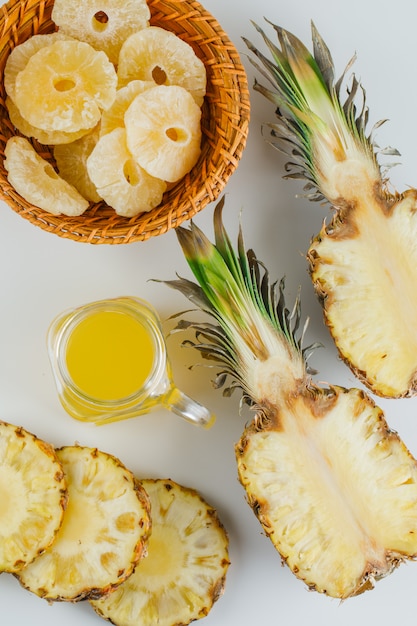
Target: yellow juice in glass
{"x": 109, "y": 361}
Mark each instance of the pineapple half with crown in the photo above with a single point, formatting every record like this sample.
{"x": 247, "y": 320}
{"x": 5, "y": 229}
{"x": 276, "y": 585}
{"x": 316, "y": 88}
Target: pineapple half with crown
{"x": 333, "y": 487}
{"x": 364, "y": 261}
{"x": 185, "y": 569}
{"x": 104, "y": 533}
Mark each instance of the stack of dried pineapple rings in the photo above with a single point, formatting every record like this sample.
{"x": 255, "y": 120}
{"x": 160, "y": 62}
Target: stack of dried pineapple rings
{"x": 119, "y": 100}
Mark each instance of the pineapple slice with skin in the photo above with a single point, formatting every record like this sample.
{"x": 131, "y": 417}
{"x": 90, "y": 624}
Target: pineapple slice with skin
{"x": 363, "y": 261}
{"x": 104, "y": 24}
{"x": 33, "y": 497}
{"x": 333, "y": 487}
{"x": 71, "y": 160}
{"x": 185, "y": 570}
{"x": 119, "y": 180}
{"x": 37, "y": 182}
{"x": 163, "y": 131}
{"x": 114, "y": 117}
{"x": 79, "y": 82}
{"x": 156, "y": 54}
{"x": 104, "y": 533}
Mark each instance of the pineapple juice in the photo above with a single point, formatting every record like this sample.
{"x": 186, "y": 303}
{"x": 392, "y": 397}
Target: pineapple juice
{"x": 109, "y": 361}
{"x": 109, "y": 355}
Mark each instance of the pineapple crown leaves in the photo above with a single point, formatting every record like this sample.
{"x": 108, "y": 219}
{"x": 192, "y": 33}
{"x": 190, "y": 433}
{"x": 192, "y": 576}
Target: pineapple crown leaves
{"x": 311, "y": 118}
{"x": 250, "y": 313}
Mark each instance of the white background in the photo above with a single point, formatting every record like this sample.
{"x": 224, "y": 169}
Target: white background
{"x": 42, "y": 274}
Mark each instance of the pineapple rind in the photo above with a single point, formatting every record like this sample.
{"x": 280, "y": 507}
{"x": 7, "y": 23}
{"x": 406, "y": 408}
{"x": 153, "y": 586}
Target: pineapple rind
{"x": 372, "y": 266}
{"x": 324, "y": 475}
{"x": 184, "y": 571}
{"x": 104, "y": 532}
{"x": 33, "y": 496}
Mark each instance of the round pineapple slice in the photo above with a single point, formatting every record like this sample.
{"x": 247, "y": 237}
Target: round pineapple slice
{"x": 71, "y": 160}
{"x": 20, "y": 55}
{"x": 185, "y": 570}
{"x": 65, "y": 86}
{"x": 33, "y": 497}
{"x": 47, "y": 138}
{"x": 114, "y": 117}
{"x": 159, "y": 55}
{"x": 37, "y": 182}
{"x": 104, "y": 532}
{"x": 163, "y": 128}
{"x": 119, "y": 180}
{"x": 104, "y": 24}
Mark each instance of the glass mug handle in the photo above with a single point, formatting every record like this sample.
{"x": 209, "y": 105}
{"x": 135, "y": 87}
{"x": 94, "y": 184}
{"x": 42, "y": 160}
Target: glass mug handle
{"x": 187, "y": 408}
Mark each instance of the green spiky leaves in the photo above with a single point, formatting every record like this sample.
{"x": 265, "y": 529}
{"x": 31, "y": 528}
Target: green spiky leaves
{"x": 325, "y": 138}
{"x": 252, "y": 324}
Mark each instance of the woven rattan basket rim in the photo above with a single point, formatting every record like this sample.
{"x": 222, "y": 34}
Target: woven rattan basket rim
{"x": 225, "y": 125}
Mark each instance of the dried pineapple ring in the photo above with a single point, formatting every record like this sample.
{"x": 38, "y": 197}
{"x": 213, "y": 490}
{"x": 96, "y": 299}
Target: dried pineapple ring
{"x": 163, "y": 128}
{"x": 104, "y": 24}
{"x": 159, "y": 55}
{"x": 37, "y": 182}
{"x": 20, "y": 55}
{"x": 64, "y": 86}
{"x": 121, "y": 182}
{"x": 104, "y": 532}
{"x": 32, "y": 494}
{"x": 51, "y": 137}
{"x": 114, "y": 117}
{"x": 185, "y": 570}
{"x": 71, "y": 160}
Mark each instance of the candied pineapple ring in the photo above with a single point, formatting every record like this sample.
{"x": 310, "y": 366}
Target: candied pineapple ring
{"x": 37, "y": 182}
{"x": 20, "y": 55}
{"x": 104, "y": 24}
{"x": 71, "y": 160}
{"x": 51, "y": 137}
{"x": 79, "y": 81}
{"x": 121, "y": 182}
{"x": 159, "y": 55}
{"x": 164, "y": 132}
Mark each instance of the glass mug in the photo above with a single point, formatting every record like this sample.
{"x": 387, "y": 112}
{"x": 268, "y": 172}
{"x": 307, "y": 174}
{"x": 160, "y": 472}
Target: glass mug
{"x": 110, "y": 362}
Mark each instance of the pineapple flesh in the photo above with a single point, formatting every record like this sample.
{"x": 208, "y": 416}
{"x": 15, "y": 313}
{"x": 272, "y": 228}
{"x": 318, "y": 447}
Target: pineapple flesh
{"x": 333, "y": 487}
{"x": 363, "y": 263}
{"x": 104, "y": 532}
{"x": 33, "y": 497}
{"x": 184, "y": 571}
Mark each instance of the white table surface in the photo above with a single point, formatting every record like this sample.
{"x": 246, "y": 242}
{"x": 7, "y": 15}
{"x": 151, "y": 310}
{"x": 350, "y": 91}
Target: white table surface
{"x": 42, "y": 274}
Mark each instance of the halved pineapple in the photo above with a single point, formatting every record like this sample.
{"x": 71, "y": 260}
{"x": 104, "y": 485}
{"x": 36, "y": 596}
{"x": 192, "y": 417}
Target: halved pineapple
{"x": 37, "y": 182}
{"x": 65, "y": 86}
{"x": 104, "y": 532}
{"x": 114, "y": 117}
{"x": 363, "y": 262}
{"x": 333, "y": 487}
{"x": 45, "y": 137}
{"x": 119, "y": 180}
{"x": 71, "y": 160}
{"x": 20, "y": 55}
{"x": 104, "y": 24}
{"x": 163, "y": 130}
{"x": 158, "y": 55}
{"x": 185, "y": 569}
{"x": 33, "y": 497}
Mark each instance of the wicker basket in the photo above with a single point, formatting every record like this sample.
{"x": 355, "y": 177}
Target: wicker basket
{"x": 225, "y": 122}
